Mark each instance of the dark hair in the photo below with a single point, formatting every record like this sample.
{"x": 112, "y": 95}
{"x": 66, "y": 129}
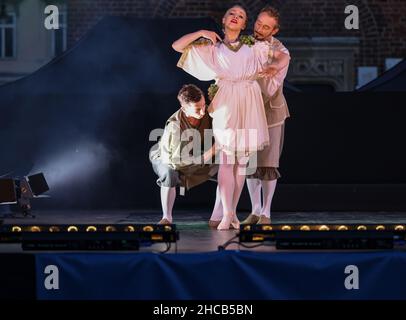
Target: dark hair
{"x": 272, "y": 12}
{"x": 190, "y": 93}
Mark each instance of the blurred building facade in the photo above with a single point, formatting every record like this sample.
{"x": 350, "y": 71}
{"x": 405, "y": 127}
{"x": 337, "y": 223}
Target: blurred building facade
{"x": 25, "y": 44}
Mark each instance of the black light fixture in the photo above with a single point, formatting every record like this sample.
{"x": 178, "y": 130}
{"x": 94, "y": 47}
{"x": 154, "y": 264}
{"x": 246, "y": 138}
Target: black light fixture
{"x": 116, "y": 237}
{"x": 20, "y": 191}
{"x": 324, "y": 236}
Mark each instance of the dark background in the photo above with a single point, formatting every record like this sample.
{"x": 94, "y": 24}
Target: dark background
{"x": 85, "y": 118}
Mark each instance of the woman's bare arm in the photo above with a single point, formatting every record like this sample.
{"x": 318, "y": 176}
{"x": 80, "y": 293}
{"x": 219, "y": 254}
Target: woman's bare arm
{"x": 180, "y": 44}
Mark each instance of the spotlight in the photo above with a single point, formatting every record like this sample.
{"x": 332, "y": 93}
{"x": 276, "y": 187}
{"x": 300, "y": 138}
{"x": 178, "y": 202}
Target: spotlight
{"x": 72, "y": 229}
{"x": 148, "y": 229}
{"x": 91, "y": 229}
{"x": 129, "y": 229}
{"x": 16, "y": 229}
{"x": 20, "y": 191}
{"x": 54, "y": 229}
{"x": 35, "y": 229}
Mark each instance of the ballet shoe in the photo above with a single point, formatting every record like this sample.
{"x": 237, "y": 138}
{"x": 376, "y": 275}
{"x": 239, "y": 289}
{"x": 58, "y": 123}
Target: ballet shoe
{"x": 235, "y": 223}
{"x": 251, "y": 219}
{"x": 264, "y": 220}
{"x": 164, "y": 221}
{"x": 213, "y": 224}
{"x": 225, "y": 222}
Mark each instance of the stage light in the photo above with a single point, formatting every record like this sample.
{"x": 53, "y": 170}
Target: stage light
{"x": 266, "y": 227}
{"x": 91, "y": 229}
{"x": 72, "y": 229}
{"x": 88, "y": 237}
{"x": 247, "y": 227}
{"x": 129, "y": 229}
{"x": 148, "y": 229}
{"x": 353, "y": 237}
{"x": 20, "y": 191}
{"x": 8, "y": 194}
{"x": 54, "y": 229}
{"x": 16, "y": 229}
{"x": 157, "y": 237}
{"x": 38, "y": 184}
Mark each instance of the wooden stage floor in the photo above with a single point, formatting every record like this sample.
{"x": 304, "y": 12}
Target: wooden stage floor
{"x": 195, "y": 235}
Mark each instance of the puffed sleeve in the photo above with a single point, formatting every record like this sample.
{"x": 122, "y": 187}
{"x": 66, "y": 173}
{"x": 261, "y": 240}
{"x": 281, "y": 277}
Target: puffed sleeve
{"x": 270, "y": 85}
{"x": 263, "y": 54}
{"x": 198, "y": 60}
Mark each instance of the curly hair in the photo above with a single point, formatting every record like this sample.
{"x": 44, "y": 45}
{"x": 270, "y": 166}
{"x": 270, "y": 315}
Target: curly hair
{"x": 190, "y": 93}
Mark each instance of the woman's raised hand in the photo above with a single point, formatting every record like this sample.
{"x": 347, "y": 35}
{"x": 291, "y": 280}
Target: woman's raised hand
{"x": 211, "y": 35}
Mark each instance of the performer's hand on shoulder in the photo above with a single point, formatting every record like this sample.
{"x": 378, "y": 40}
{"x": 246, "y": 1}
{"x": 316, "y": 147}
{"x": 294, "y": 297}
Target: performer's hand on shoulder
{"x": 211, "y": 35}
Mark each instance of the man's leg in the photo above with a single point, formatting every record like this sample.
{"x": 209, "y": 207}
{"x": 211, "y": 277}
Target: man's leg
{"x": 254, "y": 189}
{"x": 269, "y": 181}
{"x": 168, "y": 179}
{"x": 268, "y": 190}
{"x": 168, "y": 195}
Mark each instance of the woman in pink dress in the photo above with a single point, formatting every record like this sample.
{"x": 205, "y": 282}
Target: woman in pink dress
{"x": 239, "y": 121}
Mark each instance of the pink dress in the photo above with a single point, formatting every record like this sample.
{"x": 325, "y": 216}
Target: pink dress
{"x": 239, "y": 120}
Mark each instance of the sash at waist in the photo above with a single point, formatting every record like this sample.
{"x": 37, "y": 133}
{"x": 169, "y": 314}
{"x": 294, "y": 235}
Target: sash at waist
{"x": 237, "y": 81}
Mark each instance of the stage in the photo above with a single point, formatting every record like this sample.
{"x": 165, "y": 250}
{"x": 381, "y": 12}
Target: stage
{"x": 195, "y": 235}
{"x": 195, "y": 269}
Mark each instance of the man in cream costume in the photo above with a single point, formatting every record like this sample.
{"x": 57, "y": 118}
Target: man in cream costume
{"x": 266, "y": 175}
{"x": 172, "y": 157}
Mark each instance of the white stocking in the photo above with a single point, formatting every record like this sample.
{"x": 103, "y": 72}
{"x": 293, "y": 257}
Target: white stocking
{"x": 268, "y": 190}
{"x": 239, "y": 175}
{"x": 217, "y": 213}
{"x": 168, "y": 196}
{"x": 254, "y": 189}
